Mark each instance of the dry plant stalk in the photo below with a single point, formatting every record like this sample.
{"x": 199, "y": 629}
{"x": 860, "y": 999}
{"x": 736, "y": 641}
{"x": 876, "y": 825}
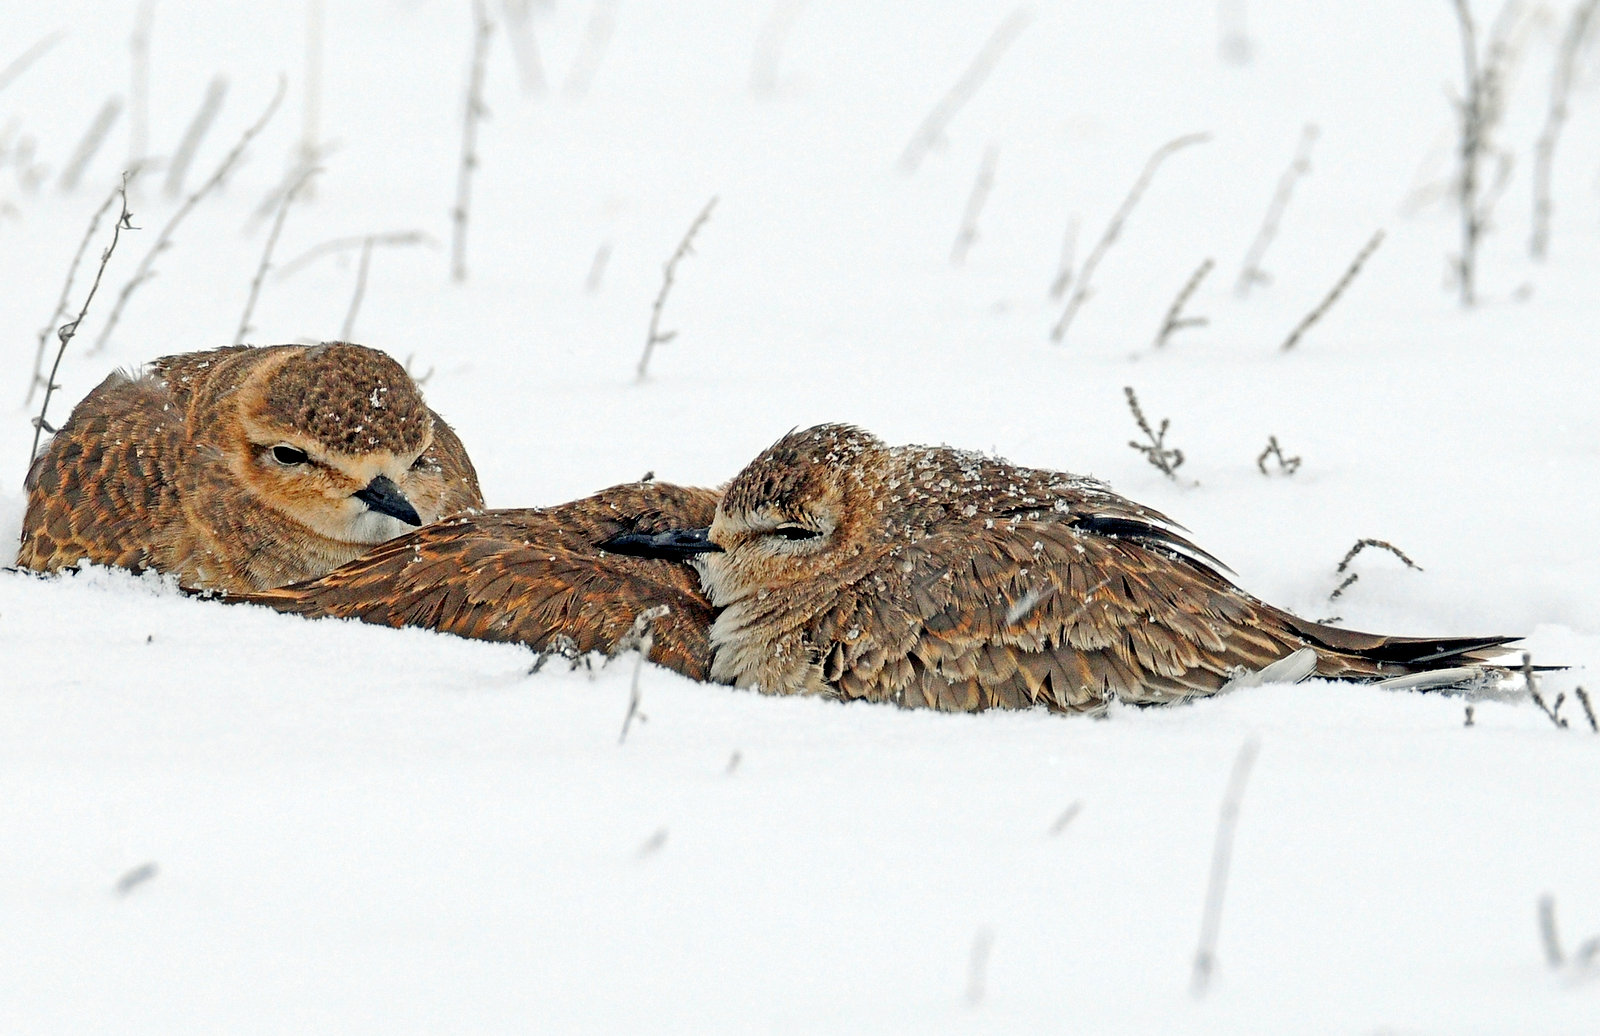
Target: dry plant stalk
{"x": 1582, "y": 959}
{"x": 475, "y": 111}
{"x": 1175, "y": 321}
{"x": 978, "y": 965}
{"x": 639, "y": 638}
{"x": 199, "y": 126}
{"x": 1250, "y": 271}
{"x": 37, "y": 380}
{"x": 139, "y": 84}
{"x": 1544, "y": 151}
{"x": 1552, "y": 712}
{"x": 769, "y": 45}
{"x": 597, "y": 268}
{"x": 344, "y": 244}
{"x": 1286, "y": 465}
{"x": 596, "y": 38}
{"x": 1205, "y": 954}
{"x": 1350, "y": 555}
{"x": 347, "y": 330}
{"x": 144, "y": 271}
{"x": 1167, "y": 459}
{"x": 1588, "y": 708}
{"x": 66, "y": 331}
{"x": 975, "y": 201}
{"x": 657, "y": 336}
{"x": 1114, "y": 229}
{"x": 524, "y": 45}
{"x": 22, "y": 62}
{"x": 1333, "y": 296}
{"x": 932, "y": 129}
{"x": 266, "y": 254}
{"x": 1069, "y": 246}
{"x": 1479, "y": 112}
{"x": 89, "y": 146}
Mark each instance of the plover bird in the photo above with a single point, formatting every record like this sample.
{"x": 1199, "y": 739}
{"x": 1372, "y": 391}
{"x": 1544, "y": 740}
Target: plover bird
{"x": 244, "y": 468}
{"x": 939, "y": 578}
{"x": 533, "y": 576}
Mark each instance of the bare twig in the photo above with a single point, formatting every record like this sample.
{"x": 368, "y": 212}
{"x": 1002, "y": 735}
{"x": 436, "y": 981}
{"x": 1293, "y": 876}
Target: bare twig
{"x": 640, "y": 638}
{"x": 1069, "y": 246}
{"x": 978, "y": 965}
{"x": 1544, "y": 151}
{"x": 654, "y": 843}
{"x": 932, "y": 129}
{"x": 1479, "y": 111}
{"x": 345, "y": 244}
{"x": 1286, "y": 465}
{"x": 199, "y": 126}
{"x": 1233, "y": 41}
{"x": 1333, "y": 296}
{"x": 1067, "y": 816}
{"x": 524, "y": 45}
{"x": 668, "y": 272}
{"x": 139, "y": 84}
{"x": 1205, "y": 954}
{"x": 22, "y": 62}
{"x": 1588, "y": 708}
{"x": 266, "y": 255}
{"x": 89, "y": 146}
{"x": 596, "y": 37}
{"x": 1113, "y": 229}
{"x": 144, "y": 271}
{"x": 135, "y": 877}
{"x": 1468, "y": 722}
{"x": 1553, "y": 713}
{"x": 37, "y": 380}
{"x": 1250, "y": 271}
{"x": 1350, "y": 555}
{"x": 311, "y": 150}
{"x": 980, "y": 194}
{"x": 1168, "y": 459}
{"x": 597, "y": 268}
{"x": 769, "y": 45}
{"x": 347, "y": 330}
{"x": 1175, "y": 321}
{"x": 475, "y": 111}
{"x": 66, "y": 331}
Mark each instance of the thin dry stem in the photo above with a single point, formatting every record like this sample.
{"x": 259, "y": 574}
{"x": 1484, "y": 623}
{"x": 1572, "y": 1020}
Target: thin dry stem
{"x": 1588, "y": 708}
{"x": 933, "y": 126}
{"x": 524, "y": 45}
{"x": 1544, "y": 151}
{"x": 597, "y": 268}
{"x": 89, "y": 146}
{"x": 596, "y": 38}
{"x": 66, "y": 331}
{"x": 144, "y": 271}
{"x": 345, "y": 244}
{"x": 37, "y": 380}
{"x": 975, "y": 201}
{"x": 24, "y": 61}
{"x": 1175, "y": 321}
{"x": 657, "y": 336}
{"x": 1167, "y": 459}
{"x": 978, "y": 965}
{"x": 1333, "y": 296}
{"x": 199, "y": 126}
{"x": 1553, "y": 713}
{"x": 1113, "y": 230}
{"x": 1069, "y": 246}
{"x": 266, "y": 254}
{"x": 139, "y": 84}
{"x": 774, "y": 33}
{"x": 348, "y": 329}
{"x": 1250, "y": 271}
{"x": 474, "y": 112}
{"x": 1286, "y": 465}
{"x": 1205, "y": 954}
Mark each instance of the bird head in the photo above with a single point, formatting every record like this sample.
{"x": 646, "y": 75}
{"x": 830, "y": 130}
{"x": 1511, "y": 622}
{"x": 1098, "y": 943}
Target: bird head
{"x": 337, "y": 437}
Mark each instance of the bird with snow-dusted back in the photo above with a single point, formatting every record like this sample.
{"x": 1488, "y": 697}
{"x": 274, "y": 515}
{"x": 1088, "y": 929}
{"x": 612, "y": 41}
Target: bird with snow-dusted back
{"x": 244, "y": 468}
{"x": 934, "y": 577}
{"x": 533, "y": 576}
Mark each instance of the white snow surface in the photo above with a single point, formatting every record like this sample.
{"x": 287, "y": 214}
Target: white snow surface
{"x": 347, "y": 828}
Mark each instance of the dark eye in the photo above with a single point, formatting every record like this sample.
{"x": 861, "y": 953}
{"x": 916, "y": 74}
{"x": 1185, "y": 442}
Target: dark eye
{"x": 422, "y": 461}
{"x": 796, "y": 532}
{"x": 289, "y": 455}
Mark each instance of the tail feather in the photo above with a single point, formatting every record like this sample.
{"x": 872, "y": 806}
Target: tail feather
{"x": 1402, "y": 655}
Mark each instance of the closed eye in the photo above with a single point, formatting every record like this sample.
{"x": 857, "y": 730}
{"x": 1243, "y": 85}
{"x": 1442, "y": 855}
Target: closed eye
{"x": 288, "y": 455}
{"x": 796, "y": 532}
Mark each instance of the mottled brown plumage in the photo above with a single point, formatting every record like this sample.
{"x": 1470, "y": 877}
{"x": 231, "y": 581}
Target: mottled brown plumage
{"x": 244, "y": 468}
{"x": 934, "y": 577}
{"x": 532, "y": 576}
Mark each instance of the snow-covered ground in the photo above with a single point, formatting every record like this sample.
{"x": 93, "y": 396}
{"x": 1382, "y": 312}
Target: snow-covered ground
{"x": 350, "y": 828}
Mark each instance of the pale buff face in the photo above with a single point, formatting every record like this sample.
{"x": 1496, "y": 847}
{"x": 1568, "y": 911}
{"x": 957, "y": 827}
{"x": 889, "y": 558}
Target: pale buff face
{"x": 296, "y": 476}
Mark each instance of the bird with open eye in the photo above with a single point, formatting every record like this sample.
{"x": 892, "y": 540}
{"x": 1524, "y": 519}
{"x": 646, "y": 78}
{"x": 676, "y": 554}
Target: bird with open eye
{"x": 244, "y": 468}
{"x": 934, "y": 577}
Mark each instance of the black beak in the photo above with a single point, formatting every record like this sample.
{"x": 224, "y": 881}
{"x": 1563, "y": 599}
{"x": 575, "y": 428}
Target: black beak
{"x": 383, "y": 496}
{"x": 672, "y": 545}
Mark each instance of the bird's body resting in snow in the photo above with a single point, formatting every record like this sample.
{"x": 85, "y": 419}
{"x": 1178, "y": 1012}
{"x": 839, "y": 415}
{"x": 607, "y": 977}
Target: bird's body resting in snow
{"x": 939, "y": 578}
